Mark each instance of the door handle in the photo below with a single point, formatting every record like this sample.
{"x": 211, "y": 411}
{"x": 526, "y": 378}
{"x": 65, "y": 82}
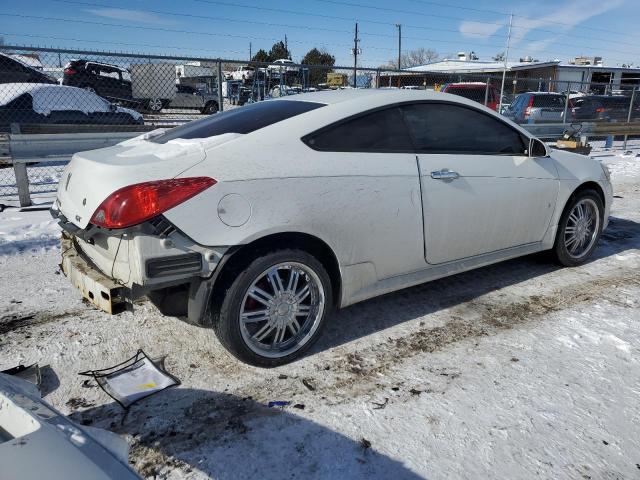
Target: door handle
{"x": 444, "y": 174}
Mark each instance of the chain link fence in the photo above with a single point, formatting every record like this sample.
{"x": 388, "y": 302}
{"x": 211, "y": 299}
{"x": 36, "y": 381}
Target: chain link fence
{"x": 52, "y": 91}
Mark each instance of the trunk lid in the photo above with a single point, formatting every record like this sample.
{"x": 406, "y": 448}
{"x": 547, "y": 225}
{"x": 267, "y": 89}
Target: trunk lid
{"x": 92, "y": 176}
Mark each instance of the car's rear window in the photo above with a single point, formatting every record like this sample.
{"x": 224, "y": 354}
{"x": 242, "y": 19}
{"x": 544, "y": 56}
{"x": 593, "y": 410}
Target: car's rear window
{"x": 548, "y": 101}
{"x": 472, "y": 93}
{"x": 616, "y": 102}
{"x": 245, "y": 119}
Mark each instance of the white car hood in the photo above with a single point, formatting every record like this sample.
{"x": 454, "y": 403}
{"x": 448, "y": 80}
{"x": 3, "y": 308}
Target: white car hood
{"x": 92, "y": 176}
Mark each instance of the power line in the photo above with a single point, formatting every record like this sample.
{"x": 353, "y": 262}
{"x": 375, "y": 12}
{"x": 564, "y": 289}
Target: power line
{"x": 207, "y": 17}
{"x": 494, "y": 12}
{"x": 396, "y": 10}
{"x": 247, "y": 37}
{"x": 411, "y": 12}
{"x": 171, "y": 30}
{"x": 114, "y": 43}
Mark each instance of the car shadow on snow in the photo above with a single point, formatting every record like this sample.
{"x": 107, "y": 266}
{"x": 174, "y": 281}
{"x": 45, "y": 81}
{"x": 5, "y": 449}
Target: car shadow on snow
{"x": 228, "y": 437}
{"x": 383, "y": 312}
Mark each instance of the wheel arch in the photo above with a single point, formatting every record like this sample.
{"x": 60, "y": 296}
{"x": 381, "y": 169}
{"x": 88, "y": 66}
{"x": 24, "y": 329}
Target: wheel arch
{"x": 242, "y": 255}
{"x": 589, "y": 185}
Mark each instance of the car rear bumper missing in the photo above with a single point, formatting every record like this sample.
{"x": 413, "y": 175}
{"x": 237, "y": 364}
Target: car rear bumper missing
{"x": 95, "y": 287}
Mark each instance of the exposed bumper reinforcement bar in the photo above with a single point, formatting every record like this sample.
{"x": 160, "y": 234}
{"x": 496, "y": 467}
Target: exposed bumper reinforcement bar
{"x": 95, "y": 287}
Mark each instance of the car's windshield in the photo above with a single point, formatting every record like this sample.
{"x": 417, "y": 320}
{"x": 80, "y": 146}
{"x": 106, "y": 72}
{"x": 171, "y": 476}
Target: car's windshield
{"x": 239, "y": 120}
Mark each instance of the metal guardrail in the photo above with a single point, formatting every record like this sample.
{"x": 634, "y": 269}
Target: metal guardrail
{"x": 27, "y": 148}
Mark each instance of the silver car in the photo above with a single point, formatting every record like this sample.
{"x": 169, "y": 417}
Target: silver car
{"x": 537, "y": 107}
{"x": 193, "y": 98}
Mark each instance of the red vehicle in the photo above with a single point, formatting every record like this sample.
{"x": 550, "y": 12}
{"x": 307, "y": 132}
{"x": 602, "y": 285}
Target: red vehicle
{"x": 476, "y": 91}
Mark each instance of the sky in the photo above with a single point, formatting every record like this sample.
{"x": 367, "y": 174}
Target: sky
{"x": 543, "y": 29}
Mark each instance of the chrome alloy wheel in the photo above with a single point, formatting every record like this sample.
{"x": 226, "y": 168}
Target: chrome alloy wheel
{"x": 582, "y": 228}
{"x": 282, "y": 309}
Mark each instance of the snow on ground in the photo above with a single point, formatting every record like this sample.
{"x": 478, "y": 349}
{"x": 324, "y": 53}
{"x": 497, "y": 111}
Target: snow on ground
{"x": 27, "y": 231}
{"x": 513, "y": 371}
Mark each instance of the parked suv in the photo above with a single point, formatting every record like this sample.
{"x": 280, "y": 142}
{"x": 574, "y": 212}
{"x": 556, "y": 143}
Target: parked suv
{"x": 188, "y": 96}
{"x": 602, "y": 107}
{"x": 14, "y": 71}
{"x": 476, "y": 91}
{"x": 109, "y": 81}
{"x": 536, "y": 107}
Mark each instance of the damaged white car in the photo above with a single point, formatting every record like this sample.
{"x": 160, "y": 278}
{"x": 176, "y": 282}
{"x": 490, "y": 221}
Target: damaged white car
{"x": 261, "y": 220}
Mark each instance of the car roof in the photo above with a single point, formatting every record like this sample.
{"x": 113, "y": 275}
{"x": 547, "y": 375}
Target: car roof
{"x": 11, "y": 91}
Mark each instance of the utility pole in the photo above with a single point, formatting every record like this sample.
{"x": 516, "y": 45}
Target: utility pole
{"x": 250, "y": 51}
{"x": 355, "y": 57}
{"x": 506, "y": 57}
{"x": 399, "y": 45}
{"x": 286, "y": 49}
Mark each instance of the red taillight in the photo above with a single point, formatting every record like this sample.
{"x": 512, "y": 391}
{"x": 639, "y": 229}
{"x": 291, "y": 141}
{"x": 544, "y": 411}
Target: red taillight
{"x": 527, "y": 111}
{"x": 136, "y": 203}
{"x": 69, "y": 71}
{"x": 599, "y": 110}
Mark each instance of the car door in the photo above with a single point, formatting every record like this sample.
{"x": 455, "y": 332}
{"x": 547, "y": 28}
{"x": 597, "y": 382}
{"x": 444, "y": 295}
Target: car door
{"x": 369, "y": 159}
{"x": 186, "y": 97}
{"x": 481, "y": 192}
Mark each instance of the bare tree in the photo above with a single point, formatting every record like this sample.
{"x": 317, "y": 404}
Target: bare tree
{"x": 414, "y": 58}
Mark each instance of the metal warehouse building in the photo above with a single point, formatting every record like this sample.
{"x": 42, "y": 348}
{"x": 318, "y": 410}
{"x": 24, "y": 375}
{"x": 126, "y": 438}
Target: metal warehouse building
{"x": 527, "y": 74}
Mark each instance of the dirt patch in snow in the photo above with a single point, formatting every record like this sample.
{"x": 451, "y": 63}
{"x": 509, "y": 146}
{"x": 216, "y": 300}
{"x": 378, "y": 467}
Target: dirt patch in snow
{"x": 16, "y": 321}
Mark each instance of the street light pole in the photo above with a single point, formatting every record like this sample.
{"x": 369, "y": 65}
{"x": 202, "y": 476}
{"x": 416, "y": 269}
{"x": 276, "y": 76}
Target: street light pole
{"x": 355, "y": 57}
{"x": 506, "y": 57}
{"x": 399, "y": 45}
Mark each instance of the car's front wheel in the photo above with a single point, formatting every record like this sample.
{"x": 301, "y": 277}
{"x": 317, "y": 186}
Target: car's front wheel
{"x": 275, "y": 308}
{"x": 155, "y": 104}
{"x": 579, "y": 229}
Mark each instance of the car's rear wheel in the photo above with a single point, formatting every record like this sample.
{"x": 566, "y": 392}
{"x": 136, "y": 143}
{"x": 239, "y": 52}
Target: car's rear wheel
{"x": 579, "y": 229}
{"x": 209, "y": 108}
{"x": 275, "y": 308}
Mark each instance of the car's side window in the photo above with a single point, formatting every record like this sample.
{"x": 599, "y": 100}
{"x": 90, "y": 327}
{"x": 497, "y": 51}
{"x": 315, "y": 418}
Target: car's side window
{"x": 448, "y": 128}
{"x": 378, "y": 131}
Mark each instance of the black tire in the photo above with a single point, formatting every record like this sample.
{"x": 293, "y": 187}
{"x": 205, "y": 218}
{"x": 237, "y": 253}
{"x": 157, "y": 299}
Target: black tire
{"x": 155, "y": 105}
{"x": 209, "y": 108}
{"x": 226, "y": 318}
{"x": 560, "y": 251}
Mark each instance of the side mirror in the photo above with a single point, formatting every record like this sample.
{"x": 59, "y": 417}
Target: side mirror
{"x": 112, "y": 107}
{"x": 537, "y": 148}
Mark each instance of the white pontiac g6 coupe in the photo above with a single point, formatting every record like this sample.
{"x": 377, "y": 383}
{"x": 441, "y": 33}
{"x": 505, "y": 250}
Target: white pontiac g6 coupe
{"x": 261, "y": 220}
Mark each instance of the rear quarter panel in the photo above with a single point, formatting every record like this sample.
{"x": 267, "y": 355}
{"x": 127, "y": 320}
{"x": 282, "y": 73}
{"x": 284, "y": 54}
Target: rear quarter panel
{"x": 366, "y": 207}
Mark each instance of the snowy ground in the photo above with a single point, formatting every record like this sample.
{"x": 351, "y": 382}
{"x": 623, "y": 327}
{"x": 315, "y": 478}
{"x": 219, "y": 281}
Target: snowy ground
{"x": 518, "y": 370}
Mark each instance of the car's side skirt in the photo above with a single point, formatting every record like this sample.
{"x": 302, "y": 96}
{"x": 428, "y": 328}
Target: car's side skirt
{"x": 373, "y": 288}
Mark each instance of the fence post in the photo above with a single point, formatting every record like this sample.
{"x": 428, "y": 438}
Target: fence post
{"x": 22, "y": 181}
{"x": 377, "y": 78}
{"x": 566, "y": 103}
{"x": 220, "y": 99}
{"x": 486, "y": 92}
{"x": 633, "y": 96}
